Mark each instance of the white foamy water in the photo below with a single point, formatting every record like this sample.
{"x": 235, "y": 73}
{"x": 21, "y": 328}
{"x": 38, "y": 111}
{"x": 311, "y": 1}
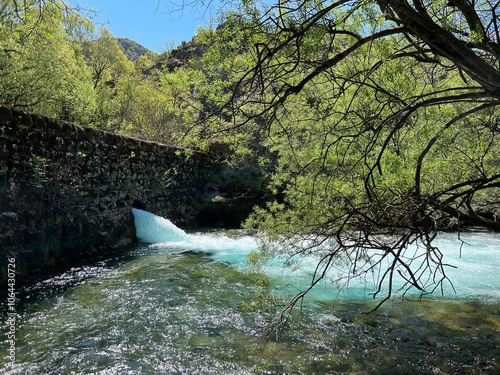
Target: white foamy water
{"x": 473, "y": 259}
{"x": 161, "y": 233}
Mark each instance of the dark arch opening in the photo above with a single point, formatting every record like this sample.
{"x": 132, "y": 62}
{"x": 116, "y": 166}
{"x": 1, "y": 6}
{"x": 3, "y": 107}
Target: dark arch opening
{"x": 138, "y": 204}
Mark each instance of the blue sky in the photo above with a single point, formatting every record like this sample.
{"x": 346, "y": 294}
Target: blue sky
{"x": 151, "y": 23}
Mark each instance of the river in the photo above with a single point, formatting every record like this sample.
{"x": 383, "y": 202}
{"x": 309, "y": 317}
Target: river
{"x": 181, "y": 303}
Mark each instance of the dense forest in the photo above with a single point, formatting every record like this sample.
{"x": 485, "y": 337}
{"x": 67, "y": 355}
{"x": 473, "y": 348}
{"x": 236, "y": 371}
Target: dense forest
{"x": 375, "y": 123}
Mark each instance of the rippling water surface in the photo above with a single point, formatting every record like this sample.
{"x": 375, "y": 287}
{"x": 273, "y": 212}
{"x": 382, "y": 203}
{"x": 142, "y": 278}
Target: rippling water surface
{"x": 189, "y": 304}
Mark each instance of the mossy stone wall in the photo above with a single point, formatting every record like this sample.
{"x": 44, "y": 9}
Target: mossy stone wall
{"x": 66, "y": 191}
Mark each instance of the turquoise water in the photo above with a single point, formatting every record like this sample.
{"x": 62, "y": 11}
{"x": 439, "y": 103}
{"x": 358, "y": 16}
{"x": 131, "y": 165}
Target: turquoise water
{"x": 182, "y": 303}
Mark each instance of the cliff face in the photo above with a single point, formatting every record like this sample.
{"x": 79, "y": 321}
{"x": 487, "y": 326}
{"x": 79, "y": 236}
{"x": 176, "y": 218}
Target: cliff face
{"x": 178, "y": 57}
{"x": 66, "y": 192}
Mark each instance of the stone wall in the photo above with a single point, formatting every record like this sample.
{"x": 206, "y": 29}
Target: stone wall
{"x": 66, "y": 192}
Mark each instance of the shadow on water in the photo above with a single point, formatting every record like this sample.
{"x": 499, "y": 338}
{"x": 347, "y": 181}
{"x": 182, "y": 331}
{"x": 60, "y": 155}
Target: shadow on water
{"x": 433, "y": 336}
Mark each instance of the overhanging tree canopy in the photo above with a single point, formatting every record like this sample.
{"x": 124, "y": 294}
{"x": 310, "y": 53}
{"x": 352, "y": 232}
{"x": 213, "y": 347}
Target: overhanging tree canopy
{"x": 384, "y": 116}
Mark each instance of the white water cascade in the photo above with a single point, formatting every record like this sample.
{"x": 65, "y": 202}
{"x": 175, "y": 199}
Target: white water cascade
{"x": 475, "y": 261}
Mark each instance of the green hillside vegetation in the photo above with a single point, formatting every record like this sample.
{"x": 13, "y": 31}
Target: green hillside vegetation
{"x": 134, "y": 50}
{"x": 373, "y": 137}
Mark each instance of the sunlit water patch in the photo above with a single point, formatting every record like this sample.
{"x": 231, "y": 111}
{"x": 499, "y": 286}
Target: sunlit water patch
{"x": 186, "y": 304}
